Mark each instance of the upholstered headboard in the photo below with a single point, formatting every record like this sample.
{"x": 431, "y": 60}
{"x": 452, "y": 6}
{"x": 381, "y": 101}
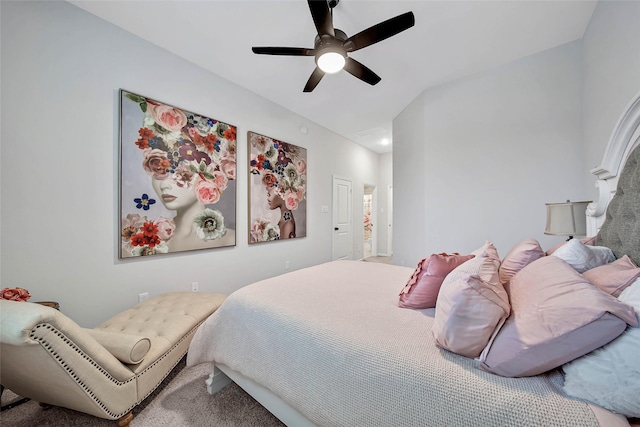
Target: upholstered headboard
{"x": 621, "y": 229}
{"x": 615, "y": 216}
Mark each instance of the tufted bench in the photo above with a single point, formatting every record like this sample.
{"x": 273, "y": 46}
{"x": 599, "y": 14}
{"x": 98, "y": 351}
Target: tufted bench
{"x": 105, "y": 371}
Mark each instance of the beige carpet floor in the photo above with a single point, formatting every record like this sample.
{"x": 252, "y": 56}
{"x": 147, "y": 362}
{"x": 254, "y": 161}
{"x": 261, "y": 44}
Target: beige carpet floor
{"x": 181, "y": 400}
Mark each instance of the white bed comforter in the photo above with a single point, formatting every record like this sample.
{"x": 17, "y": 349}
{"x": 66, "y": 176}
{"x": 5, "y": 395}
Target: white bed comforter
{"x": 331, "y": 342}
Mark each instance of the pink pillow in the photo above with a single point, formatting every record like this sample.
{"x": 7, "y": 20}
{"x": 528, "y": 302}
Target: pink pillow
{"x": 614, "y": 277}
{"x": 421, "y": 291}
{"x": 518, "y": 257}
{"x": 471, "y": 305}
{"x": 556, "y": 317}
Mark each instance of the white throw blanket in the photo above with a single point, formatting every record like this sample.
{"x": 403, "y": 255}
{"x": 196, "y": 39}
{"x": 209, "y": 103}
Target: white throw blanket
{"x": 331, "y": 342}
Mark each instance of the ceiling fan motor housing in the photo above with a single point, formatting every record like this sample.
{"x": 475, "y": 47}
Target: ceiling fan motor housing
{"x": 325, "y": 44}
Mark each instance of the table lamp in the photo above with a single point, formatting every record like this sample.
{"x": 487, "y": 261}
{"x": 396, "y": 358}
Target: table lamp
{"x": 566, "y": 219}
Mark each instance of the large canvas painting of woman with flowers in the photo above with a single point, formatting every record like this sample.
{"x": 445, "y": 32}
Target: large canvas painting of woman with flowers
{"x": 177, "y": 179}
{"x": 277, "y": 189}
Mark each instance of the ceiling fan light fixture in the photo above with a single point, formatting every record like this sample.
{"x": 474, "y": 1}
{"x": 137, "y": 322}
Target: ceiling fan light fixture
{"x": 331, "y": 45}
{"x": 331, "y": 61}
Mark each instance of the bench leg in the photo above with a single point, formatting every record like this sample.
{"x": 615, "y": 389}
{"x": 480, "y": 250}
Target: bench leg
{"x": 125, "y": 420}
{"x": 217, "y": 381}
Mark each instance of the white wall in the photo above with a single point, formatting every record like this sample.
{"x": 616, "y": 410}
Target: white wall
{"x": 477, "y": 159}
{"x": 61, "y": 71}
{"x": 385, "y": 179}
{"x": 611, "y": 70}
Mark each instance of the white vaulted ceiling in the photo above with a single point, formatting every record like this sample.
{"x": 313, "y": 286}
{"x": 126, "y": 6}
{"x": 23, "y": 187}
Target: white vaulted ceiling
{"x": 450, "y": 40}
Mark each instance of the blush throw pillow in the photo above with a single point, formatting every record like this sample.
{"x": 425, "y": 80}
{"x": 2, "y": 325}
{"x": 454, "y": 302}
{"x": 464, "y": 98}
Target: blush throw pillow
{"x": 421, "y": 291}
{"x": 522, "y": 254}
{"x": 610, "y": 376}
{"x": 584, "y": 257}
{"x": 557, "y": 316}
{"x": 614, "y": 277}
{"x": 471, "y": 305}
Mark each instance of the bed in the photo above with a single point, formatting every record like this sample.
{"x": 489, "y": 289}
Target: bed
{"x": 328, "y": 345}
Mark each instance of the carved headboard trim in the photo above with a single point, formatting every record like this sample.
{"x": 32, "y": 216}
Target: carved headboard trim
{"x": 625, "y": 137}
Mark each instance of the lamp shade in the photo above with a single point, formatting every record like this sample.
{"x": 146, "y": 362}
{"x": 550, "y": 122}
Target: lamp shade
{"x": 566, "y": 219}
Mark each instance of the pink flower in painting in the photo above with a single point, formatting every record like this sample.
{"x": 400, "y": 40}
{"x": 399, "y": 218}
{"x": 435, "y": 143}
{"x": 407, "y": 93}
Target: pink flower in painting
{"x": 230, "y": 151}
{"x": 220, "y": 180}
{"x": 300, "y": 192}
{"x": 291, "y": 200}
{"x": 130, "y": 226}
{"x": 193, "y": 132}
{"x": 228, "y": 167}
{"x": 260, "y": 142}
{"x": 269, "y": 179}
{"x": 155, "y": 162}
{"x": 168, "y": 117}
{"x": 301, "y": 167}
{"x": 207, "y": 192}
{"x": 166, "y": 227}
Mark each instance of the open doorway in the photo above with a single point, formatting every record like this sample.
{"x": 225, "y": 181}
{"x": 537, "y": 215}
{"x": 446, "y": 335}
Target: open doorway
{"x": 369, "y": 246}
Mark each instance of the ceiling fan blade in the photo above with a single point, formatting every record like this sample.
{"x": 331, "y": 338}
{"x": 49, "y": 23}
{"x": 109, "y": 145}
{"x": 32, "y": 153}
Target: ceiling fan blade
{"x": 380, "y": 32}
{"x": 321, "y": 16}
{"x": 313, "y": 81}
{"x": 290, "y": 51}
{"x": 358, "y": 70}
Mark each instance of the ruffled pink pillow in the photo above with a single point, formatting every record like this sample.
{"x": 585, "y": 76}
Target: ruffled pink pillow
{"x": 421, "y": 291}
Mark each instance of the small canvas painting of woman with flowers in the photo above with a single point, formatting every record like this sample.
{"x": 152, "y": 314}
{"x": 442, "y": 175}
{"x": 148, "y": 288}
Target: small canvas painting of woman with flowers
{"x": 278, "y": 186}
{"x": 178, "y": 172}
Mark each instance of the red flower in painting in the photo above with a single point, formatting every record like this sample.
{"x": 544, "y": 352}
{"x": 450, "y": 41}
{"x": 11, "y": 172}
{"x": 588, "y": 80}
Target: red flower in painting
{"x": 209, "y": 142}
{"x": 145, "y": 133}
{"x": 149, "y": 229}
{"x": 197, "y": 139}
{"x": 230, "y": 134}
{"x": 138, "y": 240}
{"x": 142, "y": 144}
{"x": 153, "y": 240}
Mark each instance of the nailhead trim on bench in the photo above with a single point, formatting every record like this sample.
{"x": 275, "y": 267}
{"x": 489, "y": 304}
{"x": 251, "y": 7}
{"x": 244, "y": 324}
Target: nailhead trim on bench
{"x": 47, "y": 346}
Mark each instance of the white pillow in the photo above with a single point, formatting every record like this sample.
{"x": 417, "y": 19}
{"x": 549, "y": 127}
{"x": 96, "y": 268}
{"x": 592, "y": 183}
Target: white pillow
{"x": 582, "y": 257}
{"x": 610, "y": 375}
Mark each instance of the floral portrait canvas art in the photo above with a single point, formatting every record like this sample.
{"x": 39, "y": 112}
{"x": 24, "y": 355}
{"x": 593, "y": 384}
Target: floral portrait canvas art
{"x": 277, "y": 189}
{"x": 177, "y": 179}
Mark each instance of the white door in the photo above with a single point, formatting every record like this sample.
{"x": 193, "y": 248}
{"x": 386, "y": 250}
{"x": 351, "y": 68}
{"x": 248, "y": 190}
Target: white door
{"x": 390, "y": 220}
{"x": 342, "y": 217}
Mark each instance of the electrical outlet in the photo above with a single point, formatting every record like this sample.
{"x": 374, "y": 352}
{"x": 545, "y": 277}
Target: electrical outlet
{"x": 143, "y": 297}
{"x": 286, "y": 265}
{"x": 194, "y": 287}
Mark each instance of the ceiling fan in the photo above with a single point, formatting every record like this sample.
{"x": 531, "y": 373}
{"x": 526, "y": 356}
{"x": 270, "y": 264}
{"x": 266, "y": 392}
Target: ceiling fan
{"x": 332, "y": 45}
